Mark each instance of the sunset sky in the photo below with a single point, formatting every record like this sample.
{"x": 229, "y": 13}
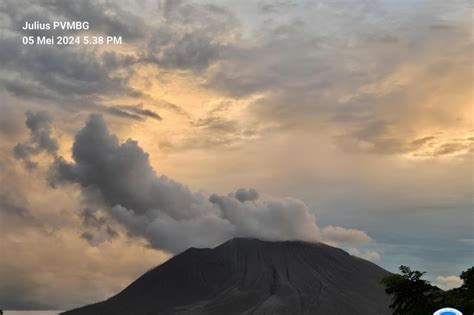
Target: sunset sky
{"x": 347, "y": 122}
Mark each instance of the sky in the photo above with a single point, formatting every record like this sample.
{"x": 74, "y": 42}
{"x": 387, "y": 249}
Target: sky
{"x": 345, "y": 122}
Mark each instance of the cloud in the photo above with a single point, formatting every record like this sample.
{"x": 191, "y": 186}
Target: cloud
{"x": 61, "y": 270}
{"x": 452, "y": 148}
{"x": 368, "y": 254}
{"x": 448, "y": 282}
{"x": 243, "y": 194}
{"x": 61, "y": 74}
{"x": 90, "y": 218}
{"x": 190, "y": 37}
{"x": 40, "y": 140}
{"x": 10, "y": 206}
{"x": 269, "y": 218}
{"x": 66, "y": 75}
{"x": 192, "y": 51}
{"x": 99, "y": 229}
{"x": 217, "y": 128}
{"x": 167, "y": 213}
{"x": 338, "y": 235}
{"x": 217, "y": 124}
{"x": 368, "y": 103}
{"x": 136, "y": 112}
{"x": 108, "y": 18}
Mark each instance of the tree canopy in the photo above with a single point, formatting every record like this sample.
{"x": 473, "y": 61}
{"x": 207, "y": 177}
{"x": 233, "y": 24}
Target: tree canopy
{"x": 412, "y": 295}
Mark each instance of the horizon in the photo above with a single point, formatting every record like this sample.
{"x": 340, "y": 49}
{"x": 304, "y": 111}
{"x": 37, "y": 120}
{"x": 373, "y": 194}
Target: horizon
{"x": 165, "y": 125}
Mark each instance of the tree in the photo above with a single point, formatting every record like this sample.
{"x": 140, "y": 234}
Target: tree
{"x": 463, "y": 298}
{"x": 411, "y": 294}
{"x": 414, "y": 296}
{"x": 467, "y": 291}
{"x": 468, "y": 280}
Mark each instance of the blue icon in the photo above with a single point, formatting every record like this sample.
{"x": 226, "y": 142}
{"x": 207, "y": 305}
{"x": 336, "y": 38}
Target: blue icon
{"x": 447, "y": 311}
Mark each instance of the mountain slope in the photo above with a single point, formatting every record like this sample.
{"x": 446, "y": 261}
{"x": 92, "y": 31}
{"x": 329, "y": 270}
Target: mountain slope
{"x": 249, "y": 276}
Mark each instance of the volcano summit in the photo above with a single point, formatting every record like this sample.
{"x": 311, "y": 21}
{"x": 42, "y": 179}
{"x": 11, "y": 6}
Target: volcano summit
{"x": 250, "y": 276}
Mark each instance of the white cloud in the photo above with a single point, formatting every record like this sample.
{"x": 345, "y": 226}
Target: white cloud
{"x": 337, "y": 235}
{"x": 368, "y": 254}
{"x": 448, "y": 282}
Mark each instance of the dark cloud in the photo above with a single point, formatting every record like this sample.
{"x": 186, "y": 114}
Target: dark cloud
{"x": 192, "y": 36}
{"x": 188, "y": 37}
{"x": 136, "y": 112}
{"x": 111, "y": 232}
{"x": 192, "y": 51}
{"x": 121, "y": 172}
{"x": 243, "y": 194}
{"x": 90, "y": 219}
{"x": 172, "y": 107}
{"x": 422, "y": 141}
{"x": 106, "y": 17}
{"x": 88, "y": 237}
{"x": 452, "y": 148}
{"x": 98, "y": 226}
{"x": 41, "y": 139}
{"x": 217, "y": 124}
{"x": 73, "y": 76}
{"x": 167, "y": 213}
{"x": 61, "y": 74}
{"x": 9, "y": 206}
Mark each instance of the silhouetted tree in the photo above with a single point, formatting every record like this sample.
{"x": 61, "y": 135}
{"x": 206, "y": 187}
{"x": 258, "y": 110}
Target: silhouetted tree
{"x": 463, "y": 298}
{"x": 413, "y": 296}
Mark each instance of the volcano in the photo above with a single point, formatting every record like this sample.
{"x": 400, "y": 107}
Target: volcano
{"x": 250, "y": 276}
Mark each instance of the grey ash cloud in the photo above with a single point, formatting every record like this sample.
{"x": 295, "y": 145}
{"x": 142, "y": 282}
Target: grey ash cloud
{"x": 91, "y": 219}
{"x": 165, "y": 212}
{"x": 98, "y": 227}
{"x": 40, "y": 140}
{"x": 243, "y": 194}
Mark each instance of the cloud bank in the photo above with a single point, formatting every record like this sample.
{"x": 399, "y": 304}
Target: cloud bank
{"x": 167, "y": 213}
{"x": 40, "y": 139}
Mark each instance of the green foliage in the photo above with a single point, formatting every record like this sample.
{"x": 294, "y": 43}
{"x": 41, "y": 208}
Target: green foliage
{"x": 411, "y": 295}
{"x": 468, "y": 280}
{"x": 463, "y": 298}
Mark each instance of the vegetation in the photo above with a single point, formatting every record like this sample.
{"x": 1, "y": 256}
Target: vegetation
{"x": 412, "y": 295}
